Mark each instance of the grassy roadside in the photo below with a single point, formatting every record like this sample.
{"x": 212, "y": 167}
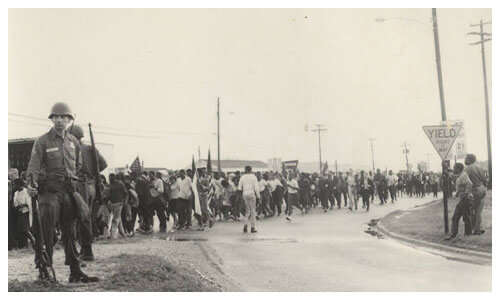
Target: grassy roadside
{"x": 129, "y": 273}
{"x": 427, "y": 224}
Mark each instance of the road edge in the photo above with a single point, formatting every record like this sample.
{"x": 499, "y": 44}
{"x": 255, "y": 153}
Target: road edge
{"x": 454, "y": 253}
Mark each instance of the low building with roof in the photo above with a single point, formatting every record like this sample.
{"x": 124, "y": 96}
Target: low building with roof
{"x": 230, "y": 165}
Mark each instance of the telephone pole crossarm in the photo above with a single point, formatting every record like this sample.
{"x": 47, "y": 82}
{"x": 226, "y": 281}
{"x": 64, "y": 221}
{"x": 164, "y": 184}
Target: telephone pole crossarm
{"x": 319, "y": 129}
{"x": 481, "y": 42}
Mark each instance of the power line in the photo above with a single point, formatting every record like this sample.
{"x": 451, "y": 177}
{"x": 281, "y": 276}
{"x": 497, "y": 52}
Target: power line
{"x": 100, "y": 132}
{"x": 122, "y": 129}
{"x": 318, "y": 129}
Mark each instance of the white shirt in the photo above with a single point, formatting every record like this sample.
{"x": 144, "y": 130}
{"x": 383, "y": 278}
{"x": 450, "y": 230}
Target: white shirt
{"x": 293, "y": 183}
{"x": 158, "y": 188}
{"x": 217, "y": 184}
{"x": 262, "y": 185}
{"x": 351, "y": 181}
{"x": 185, "y": 191}
{"x": 249, "y": 185}
{"x": 23, "y": 199}
{"x": 274, "y": 183}
{"x": 392, "y": 180}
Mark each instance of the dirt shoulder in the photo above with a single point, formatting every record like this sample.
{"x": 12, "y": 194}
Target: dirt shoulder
{"x": 426, "y": 223}
{"x": 150, "y": 263}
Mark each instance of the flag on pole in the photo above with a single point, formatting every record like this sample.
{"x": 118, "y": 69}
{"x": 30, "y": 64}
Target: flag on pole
{"x": 209, "y": 163}
{"x": 325, "y": 167}
{"x": 193, "y": 166}
{"x": 135, "y": 167}
{"x": 197, "y": 206}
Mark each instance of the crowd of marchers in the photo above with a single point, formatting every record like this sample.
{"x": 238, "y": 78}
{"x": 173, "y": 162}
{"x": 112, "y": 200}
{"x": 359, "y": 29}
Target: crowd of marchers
{"x": 131, "y": 201}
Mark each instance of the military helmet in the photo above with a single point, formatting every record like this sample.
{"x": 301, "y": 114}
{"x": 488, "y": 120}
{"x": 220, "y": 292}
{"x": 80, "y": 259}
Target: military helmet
{"x": 76, "y": 131}
{"x": 61, "y": 109}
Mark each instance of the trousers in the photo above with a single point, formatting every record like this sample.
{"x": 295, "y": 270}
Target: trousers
{"x": 87, "y": 191}
{"x": 293, "y": 200}
{"x": 392, "y": 191}
{"x": 250, "y": 205}
{"x": 116, "y": 210}
{"x": 353, "y": 197}
{"x": 462, "y": 210}
{"x": 277, "y": 201}
{"x": 160, "y": 208}
{"x": 58, "y": 207}
{"x": 184, "y": 211}
{"x": 479, "y": 193}
{"x": 365, "y": 194}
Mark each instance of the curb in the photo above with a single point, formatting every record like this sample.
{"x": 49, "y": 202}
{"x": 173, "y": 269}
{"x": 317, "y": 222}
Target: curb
{"x": 461, "y": 254}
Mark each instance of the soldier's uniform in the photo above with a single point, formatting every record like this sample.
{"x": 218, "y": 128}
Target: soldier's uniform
{"x": 87, "y": 188}
{"x": 54, "y": 163}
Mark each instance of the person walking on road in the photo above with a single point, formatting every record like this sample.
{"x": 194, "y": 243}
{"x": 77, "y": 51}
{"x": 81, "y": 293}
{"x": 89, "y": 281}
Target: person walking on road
{"x": 184, "y": 200}
{"x": 293, "y": 196}
{"x": 249, "y": 188}
{"x": 366, "y": 186}
{"x": 392, "y": 181}
{"x": 353, "y": 191}
{"x": 433, "y": 182}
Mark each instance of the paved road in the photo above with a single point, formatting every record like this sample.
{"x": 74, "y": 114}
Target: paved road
{"x": 331, "y": 252}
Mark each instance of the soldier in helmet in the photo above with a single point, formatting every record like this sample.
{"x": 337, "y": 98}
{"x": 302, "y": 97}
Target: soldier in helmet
{"x": 87, "y": 189}
{"x": 54, "y": 164}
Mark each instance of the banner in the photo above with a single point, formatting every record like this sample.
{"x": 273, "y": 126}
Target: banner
{"x": 290, "y": 165}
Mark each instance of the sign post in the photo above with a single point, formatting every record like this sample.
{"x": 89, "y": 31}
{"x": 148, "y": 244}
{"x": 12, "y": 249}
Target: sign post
{"x": 442, "y": 138}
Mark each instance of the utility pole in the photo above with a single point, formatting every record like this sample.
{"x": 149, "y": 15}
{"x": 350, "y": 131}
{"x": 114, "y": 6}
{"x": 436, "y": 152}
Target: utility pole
{"x": 438, "y": 64}
{"x": 319, "y": 129}
{"x": 373, "y": 157}
{"x": 336, "y": 170}
{"x": 443, "y": 117}
{"x": 218, "y": 137}
{"x": 406, "y": 151}
{"x": 485, "y": 37}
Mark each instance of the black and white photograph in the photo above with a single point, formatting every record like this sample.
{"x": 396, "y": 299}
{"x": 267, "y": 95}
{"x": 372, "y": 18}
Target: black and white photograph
{"x": 249, "y": 149}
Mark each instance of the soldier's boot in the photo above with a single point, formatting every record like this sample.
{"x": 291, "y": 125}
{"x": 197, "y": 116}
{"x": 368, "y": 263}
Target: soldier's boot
{"x": 76, "y": 275}
{"x": 86, "y": 253}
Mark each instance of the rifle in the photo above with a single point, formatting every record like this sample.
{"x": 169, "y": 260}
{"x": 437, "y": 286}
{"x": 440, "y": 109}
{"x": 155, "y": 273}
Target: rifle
{"x": 42, "y": 259}
{"x": 95, "y": 156}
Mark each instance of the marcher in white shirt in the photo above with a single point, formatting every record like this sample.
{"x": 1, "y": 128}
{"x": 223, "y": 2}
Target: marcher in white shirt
{"x": 250, "y": 190}
{"x": 392, "y": 181}
{"x": 353, "y": 191}
{"x": 277, "y": 194}
{"x": 293, "y": 196}
{"x": 22, "y": 202}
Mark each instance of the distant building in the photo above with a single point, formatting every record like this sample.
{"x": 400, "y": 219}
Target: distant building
{"x": 228, "y": 165}
{"x": 311, "y": 167}
{"x": 126, "y": 170}
{"x": 274, "y": 164}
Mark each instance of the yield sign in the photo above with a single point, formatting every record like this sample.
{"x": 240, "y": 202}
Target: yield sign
{"x": 442, "y": 137}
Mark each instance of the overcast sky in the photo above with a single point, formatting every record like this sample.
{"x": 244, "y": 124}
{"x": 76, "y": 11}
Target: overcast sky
{"x": 158, "y": 73}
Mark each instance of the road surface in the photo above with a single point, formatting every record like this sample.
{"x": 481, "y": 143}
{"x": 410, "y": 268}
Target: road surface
{"x": 331, "y": 252}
